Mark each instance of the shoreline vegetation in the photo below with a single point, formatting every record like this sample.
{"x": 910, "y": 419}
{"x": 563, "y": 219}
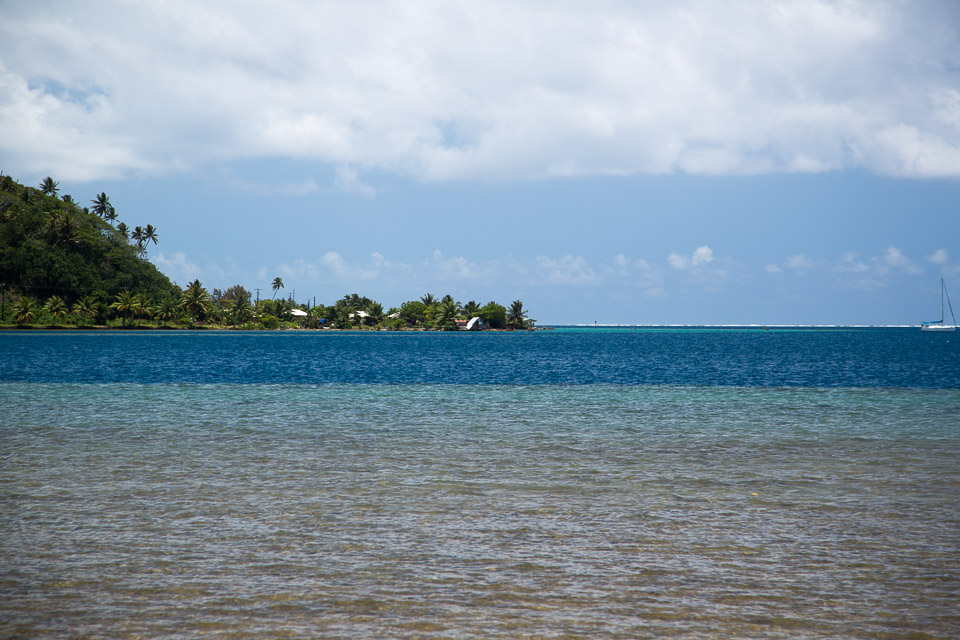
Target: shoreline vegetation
{"x": 63, "y": 266}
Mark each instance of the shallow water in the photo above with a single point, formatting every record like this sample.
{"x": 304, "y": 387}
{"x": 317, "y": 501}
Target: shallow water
{"x": 191, "y": 509}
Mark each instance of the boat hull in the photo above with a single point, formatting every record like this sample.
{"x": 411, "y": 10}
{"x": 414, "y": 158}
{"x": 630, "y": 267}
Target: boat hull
{"x": 937, "y": 327}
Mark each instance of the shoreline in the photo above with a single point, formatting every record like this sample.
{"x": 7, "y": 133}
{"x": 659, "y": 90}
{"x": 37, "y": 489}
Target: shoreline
{"x": 44, "y": 328}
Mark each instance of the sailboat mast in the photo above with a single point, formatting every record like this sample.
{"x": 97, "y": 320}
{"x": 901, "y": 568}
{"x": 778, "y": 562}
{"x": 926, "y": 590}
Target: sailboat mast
{"x": 943, "y": 287}
{"x": 949, "y": 304}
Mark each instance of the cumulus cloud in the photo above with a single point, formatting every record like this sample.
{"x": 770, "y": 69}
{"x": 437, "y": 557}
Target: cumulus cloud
{"x": 700, "y": 256}
{"x": 850, "y": 262}
{"x": 938, "y": 257}
{"x": 893, "y": 258}
{"x": 799, "y": 262}
{"x": 176, "y": 266}
{"x": 449, "y": 268}
{"x": 567, "y": 270}
{"x": 875, "y": 272}
{"x": 626, "y": 266}
{"x": 347, "y": 180}
{"x": 499, "y": 90}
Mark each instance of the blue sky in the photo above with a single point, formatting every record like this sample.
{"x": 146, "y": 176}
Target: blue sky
{"x": 689, "y": 162}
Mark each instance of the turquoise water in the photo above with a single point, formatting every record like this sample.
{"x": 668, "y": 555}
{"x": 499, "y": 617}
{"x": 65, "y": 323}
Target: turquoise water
{"x": 184, "y": 505}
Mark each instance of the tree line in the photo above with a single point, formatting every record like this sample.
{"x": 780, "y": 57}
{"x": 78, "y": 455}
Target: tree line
{"x": 66, "y": 265}
{"x": 194, "y": 306}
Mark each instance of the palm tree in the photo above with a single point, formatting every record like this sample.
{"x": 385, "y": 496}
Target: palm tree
{"x": 56, "y": 307}
{"x": 138, "y": 236}
{"x": 241, "y": 309}
{"x": 428, "y": 299}
{"x": 140, "y": 307}
{"x": 48, "y": 187}
{"x": 149, "y": 234}
{"x": 195, "y": 300}
{"x": 375, "y": 313}
{"x": 516, "y": 315}
{"x": 471, "y": 308}
{"x": 123, "y": 230}
{"x": 84, "y": 307}
{"x": 447, "y": 316}
{"x": 23, "y": 311}
{"x": 277, "y": 284}
{"x": 101, "y": 205}
{"x": 123, "y": 305}
{"x": 168, "y": 309}
{"x": 67, "y": 198}
{"x": 110, "y": 215}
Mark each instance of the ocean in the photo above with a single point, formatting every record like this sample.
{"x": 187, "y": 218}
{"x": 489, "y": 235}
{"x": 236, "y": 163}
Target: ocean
{"x": 574, "y": 483}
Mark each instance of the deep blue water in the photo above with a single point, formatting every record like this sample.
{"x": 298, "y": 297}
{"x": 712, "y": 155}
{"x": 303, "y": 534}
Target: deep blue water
{"x": 882, "y": 357}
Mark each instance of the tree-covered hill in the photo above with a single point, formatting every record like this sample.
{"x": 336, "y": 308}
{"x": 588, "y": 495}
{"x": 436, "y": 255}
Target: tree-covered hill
{"x": 50, "y": 245}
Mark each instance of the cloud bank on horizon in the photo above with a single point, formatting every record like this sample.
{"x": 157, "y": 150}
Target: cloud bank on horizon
{"x": 439, "y": 91}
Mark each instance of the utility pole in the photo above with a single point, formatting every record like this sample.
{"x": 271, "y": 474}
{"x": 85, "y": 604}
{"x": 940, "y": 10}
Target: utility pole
{"x": 258, "y": 296}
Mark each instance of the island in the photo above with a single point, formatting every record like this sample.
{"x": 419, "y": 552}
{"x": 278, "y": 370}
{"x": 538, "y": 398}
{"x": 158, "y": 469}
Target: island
{"x": 64, "y": 265}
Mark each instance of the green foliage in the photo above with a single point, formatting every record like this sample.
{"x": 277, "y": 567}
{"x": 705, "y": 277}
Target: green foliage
{"x": 269, "y": 322}
{"x": 168, "y": 310}
{"x": 50, "y": 246}
{"x": 493, "y": 315}
{"x": 240, "y": 309}
{"x": 516, "y": 316}
{"x": 23, "y": 311}
{"x": 85, "y": 308}
{"x": 56, "y": 308}
{"x": 447, "y": 315}
{"x": 195, "y": 301}
{"x": 376, "y": 313}
{"x": 413, "y": 313}
{"x": 48, "y": 187}
{"x": 123, "y": 305}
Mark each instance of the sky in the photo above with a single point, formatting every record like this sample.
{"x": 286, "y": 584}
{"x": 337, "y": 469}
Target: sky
{"x": 615, "y": 162}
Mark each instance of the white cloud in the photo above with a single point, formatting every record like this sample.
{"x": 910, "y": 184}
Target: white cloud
{"x": 177, "y": 267}
{"x": 628, "y": 267}
{"x": 893, "y": 258}
{"x": 498, "y": 90}
{"x": 799, "y": 262}
{"x": 772, "y": 268}
{"x": 875, "y": 272}
{"x": 347, "y": 180}
{"x": 344, "y": 271}
{"x": 446, "y": 268}
{"x": 938, "y": 257}
{"x": 701, "y": 256}
{"x": 567, "y": 270}
{"x": 849, "y": 262}
{"x": 678, "y": 261}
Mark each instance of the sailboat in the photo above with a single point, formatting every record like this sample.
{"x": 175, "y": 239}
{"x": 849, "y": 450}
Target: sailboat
{"x": 937, "y": 325}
